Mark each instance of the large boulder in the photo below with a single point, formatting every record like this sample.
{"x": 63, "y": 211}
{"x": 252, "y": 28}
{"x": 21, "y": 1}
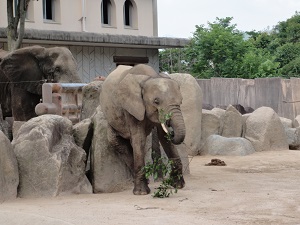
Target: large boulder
{"x": 109, "y": 172}
{"x": 50, "y": 163}
{"x": 191, "y": 109}
{"x": 293, "y": 138}
{"x": 265, "y": 130}
{"x": 231, "y": 123}
{"x": 218, "y": 145}
{"x": 296, "y": 121}
{"x": 9, "y": 175}
{"x": 83, "y": 134}
{"x": 90, "y": 98}
{"x": 210, "y": 124}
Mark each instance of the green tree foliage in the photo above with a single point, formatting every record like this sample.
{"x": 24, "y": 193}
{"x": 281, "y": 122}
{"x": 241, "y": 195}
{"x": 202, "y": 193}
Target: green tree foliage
{"x": 173, "y": 60}
{"x": 220, "y": 50}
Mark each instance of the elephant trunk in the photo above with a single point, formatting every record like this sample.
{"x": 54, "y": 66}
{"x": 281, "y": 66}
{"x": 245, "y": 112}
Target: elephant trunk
{"x": 176, "y": 126}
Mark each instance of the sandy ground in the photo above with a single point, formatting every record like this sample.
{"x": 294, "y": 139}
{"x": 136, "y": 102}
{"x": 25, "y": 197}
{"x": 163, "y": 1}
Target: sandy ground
{"x": 263, "y": 188}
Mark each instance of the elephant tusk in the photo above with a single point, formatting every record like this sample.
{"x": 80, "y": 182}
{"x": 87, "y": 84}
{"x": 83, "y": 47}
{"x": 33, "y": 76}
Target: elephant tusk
{"x": 164, "y": 128}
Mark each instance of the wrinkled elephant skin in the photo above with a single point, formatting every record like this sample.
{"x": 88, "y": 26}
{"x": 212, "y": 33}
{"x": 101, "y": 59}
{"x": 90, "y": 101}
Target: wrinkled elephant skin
{"x": 133, "y": 100}
{"x": 22, "y": 73}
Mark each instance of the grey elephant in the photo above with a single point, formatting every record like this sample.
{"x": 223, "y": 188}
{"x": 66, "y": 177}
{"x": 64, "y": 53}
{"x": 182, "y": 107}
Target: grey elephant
{"x": 133, "y": 100}
{"x": 22, "y": 73}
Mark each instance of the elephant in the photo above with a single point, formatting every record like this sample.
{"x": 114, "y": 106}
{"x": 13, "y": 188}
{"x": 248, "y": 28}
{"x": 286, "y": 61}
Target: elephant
{"x": 23, "y": 72}
{"x": 133, "y": 101}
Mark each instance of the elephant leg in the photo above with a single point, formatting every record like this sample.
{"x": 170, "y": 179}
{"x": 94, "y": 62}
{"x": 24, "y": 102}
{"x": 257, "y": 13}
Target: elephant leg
{"x": 23, "y": 104}
{"x": 138, "y": 143}
{"x": 173, "y": 155}
{"x": 122, "y": 147}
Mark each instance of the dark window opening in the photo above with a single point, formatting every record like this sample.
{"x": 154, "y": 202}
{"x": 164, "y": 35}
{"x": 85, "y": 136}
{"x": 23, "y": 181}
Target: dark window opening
{"x": 47, "y": 10}
{"x": 130, "y": 60}
{"x": 105, "y": 9}
{"x": 127, "y": 12}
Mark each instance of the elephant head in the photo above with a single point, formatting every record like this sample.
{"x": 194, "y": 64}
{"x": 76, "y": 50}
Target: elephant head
{"x": 27, "y": 69}
{"x": 143, "y": 92}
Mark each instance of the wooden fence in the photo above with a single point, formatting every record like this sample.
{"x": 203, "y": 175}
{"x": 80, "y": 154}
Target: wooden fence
{"x": 283, "y": 95}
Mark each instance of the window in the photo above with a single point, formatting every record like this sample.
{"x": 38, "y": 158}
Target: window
{"x": 29, "y": 12}
{"x": 130, "y": 14}
{"x": 128, "y": 10}
{"x": 106, "y": 9}
{"x": 48, "y": 9}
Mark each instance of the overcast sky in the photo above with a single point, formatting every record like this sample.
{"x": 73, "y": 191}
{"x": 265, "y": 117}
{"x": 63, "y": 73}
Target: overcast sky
{"x": 177, "y": 18}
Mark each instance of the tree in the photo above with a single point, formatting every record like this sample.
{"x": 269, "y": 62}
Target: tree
{"x": 173, "y": 60}
{"x": 16, "y": 19}
{"x": 216, "y": 50}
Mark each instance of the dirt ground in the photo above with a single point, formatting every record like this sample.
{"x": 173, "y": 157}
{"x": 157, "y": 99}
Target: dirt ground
{"x": 263, "y": 188}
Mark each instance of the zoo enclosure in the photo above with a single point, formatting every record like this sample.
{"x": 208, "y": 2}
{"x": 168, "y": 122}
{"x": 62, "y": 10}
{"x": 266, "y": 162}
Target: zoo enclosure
{"x": 282, "y": 95}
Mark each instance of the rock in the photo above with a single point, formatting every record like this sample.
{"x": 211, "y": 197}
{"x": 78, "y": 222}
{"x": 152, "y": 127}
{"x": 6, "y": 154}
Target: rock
{"x": 218, "y": 111}
{"x": 244, "y": 119}
{"x": 218, "y": 145}
{"x": 9, "y": 175}
{"x": 4, "y": 126}
{"x": 296, "y": 121}
{"x": 191, "y": 109}
{"x": 207, "y": 106}
{"x": 50, "y": 163}
{"x": 210, "y": 125}
{"x": 16, "y": 126}
{"x": 109, "y": 172}
{"x": 293, "y": 138}
{"x": 265, "y": 130}
{"x": 90, "y": 98}
{"x": 231, "y": 123}
{"x": 287, "y": 123}
{"x": 83, "y": 134}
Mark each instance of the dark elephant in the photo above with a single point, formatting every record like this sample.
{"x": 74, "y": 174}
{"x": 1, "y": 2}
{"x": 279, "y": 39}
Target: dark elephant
{"x": 23, "y": 72}
{"x": 134, "y": 100}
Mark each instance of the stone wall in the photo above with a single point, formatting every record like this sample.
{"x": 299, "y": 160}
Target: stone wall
{"x": 282, "y": 95}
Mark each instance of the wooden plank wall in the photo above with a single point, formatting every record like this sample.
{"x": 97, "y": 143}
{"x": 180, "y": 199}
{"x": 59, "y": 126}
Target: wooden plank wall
{"x": 283, "y": 95}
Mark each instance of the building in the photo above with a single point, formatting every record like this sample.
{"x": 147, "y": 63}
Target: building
{"x": 101, "y": 34}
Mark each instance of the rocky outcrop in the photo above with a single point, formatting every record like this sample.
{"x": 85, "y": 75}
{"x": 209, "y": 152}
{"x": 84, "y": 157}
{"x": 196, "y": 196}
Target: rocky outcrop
{"x": 265, "y": 130}
{"x": 231, "y": 123}
{"x": 109, "y": 172}
{"x": 218, "y": 145}
{"x": 90, "y": 98}
{"x": 50, "y": 163}
{"x": 9, "y": 175}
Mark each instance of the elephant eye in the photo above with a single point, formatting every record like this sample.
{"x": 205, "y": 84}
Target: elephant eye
{"x": 156, "y": 101}
{"x": 57, "y": 69}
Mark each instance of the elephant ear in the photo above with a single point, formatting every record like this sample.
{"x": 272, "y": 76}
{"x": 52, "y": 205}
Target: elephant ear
{"x": 129, "y": 93}
{"x": 21, "y": 67}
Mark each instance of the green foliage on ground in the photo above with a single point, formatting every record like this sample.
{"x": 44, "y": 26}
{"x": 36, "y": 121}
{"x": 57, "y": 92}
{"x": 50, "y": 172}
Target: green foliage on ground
{"x": 164, "y": 167}
{"x": 221, "y": 50}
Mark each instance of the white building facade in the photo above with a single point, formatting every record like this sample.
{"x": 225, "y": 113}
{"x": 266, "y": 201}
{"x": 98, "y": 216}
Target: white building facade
{"x": 100, "y": 33}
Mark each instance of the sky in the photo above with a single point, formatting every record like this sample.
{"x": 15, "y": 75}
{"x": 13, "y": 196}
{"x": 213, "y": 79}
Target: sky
{"x": 177, "y": 18}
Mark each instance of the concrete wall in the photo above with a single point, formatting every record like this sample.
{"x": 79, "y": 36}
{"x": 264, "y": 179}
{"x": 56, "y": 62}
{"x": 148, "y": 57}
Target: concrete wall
{"x": 68, "y": 14}
{"x": 283, "y": 95}
{"x": 95, "y": 61}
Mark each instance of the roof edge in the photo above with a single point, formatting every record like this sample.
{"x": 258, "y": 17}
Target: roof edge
{"x": 96, "y": 39}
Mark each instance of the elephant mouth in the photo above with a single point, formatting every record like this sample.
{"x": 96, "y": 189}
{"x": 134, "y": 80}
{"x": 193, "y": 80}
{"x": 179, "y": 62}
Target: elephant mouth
{"x": 168, "y": 129}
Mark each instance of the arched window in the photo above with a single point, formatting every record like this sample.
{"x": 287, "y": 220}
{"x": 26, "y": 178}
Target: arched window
{"x": 106, "y": 8}
{"x": 128, "y": 13}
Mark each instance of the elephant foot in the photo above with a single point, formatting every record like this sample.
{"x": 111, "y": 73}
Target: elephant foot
{"x": 141, "y": 184}
{"x": 178, "y": 182}
{"x": 141, "y": 189}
